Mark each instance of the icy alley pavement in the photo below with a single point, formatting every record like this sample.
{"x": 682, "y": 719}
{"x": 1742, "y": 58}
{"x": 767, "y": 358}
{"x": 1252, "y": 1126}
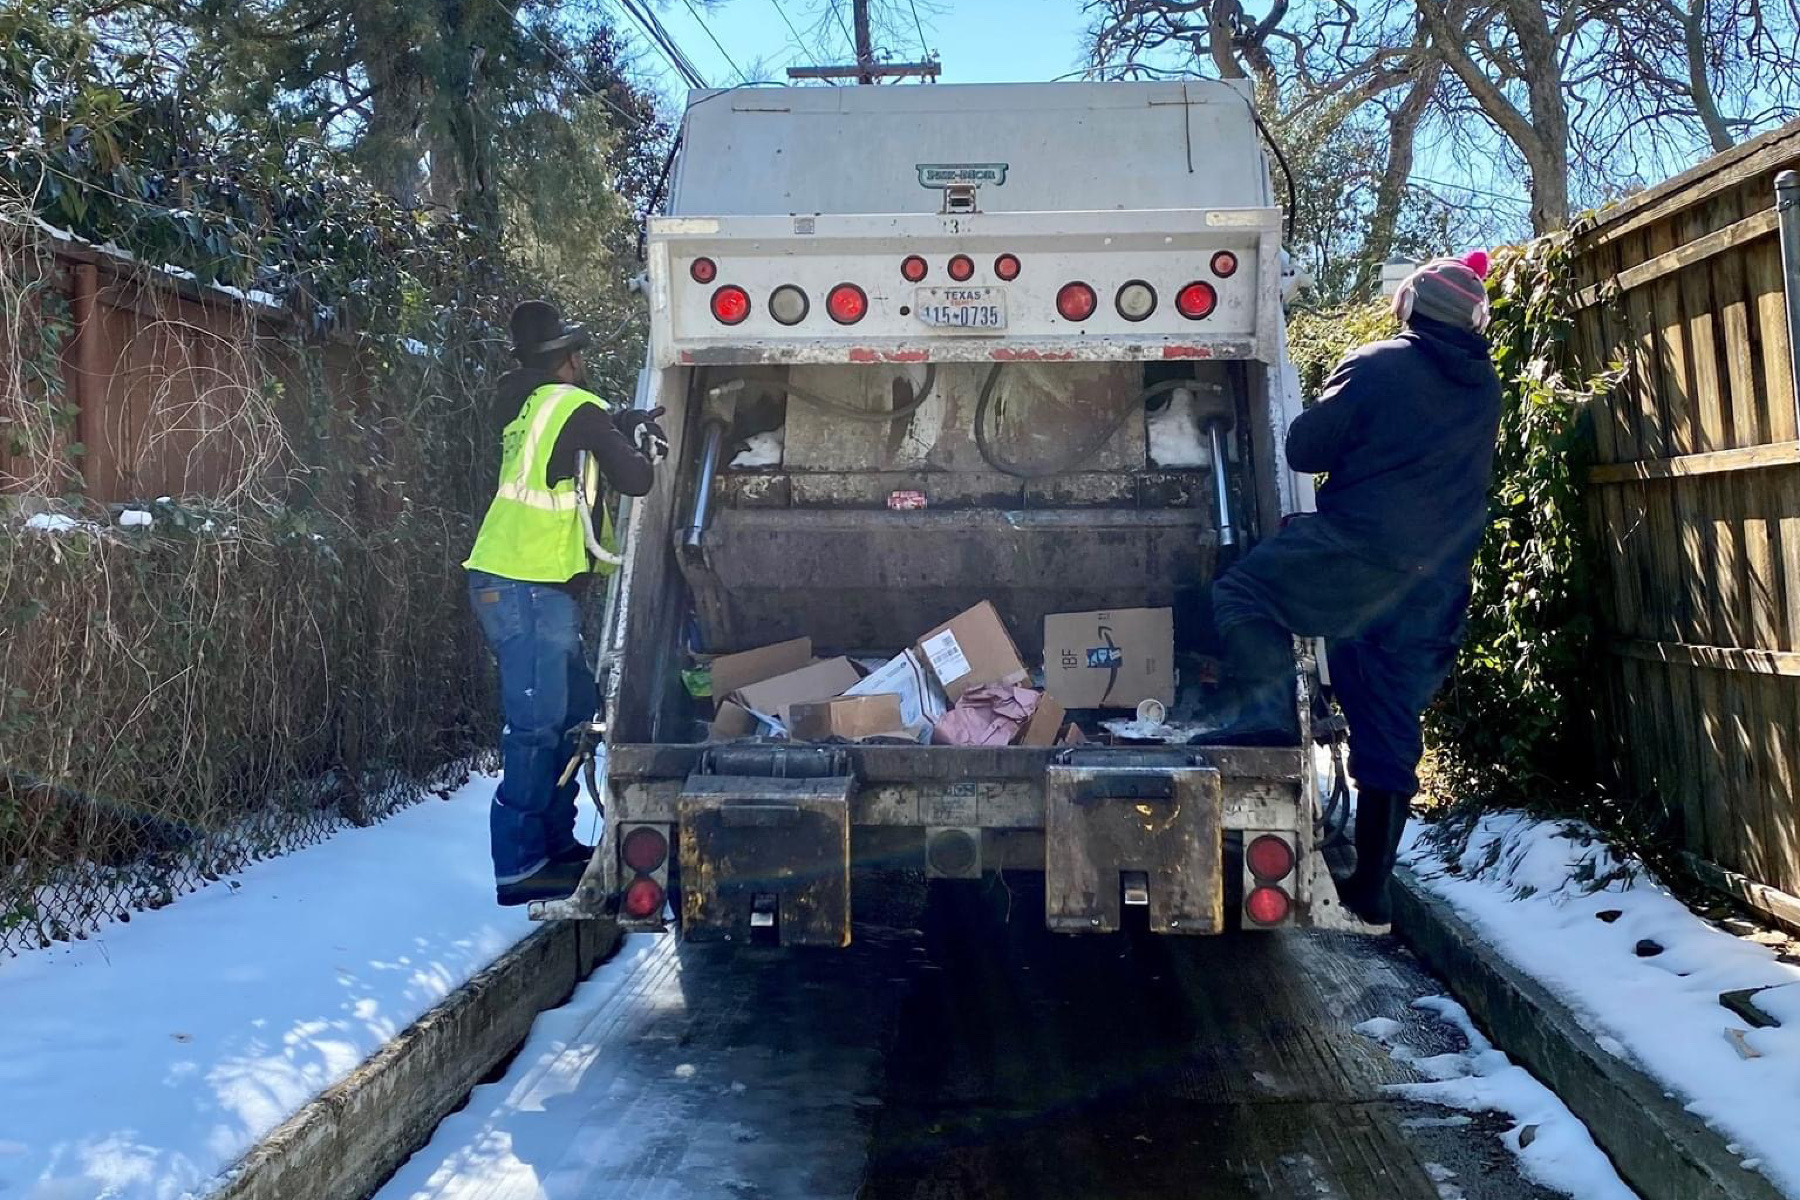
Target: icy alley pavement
{"x": 1641, "y": 972}
{"x": 142, "y": 1062}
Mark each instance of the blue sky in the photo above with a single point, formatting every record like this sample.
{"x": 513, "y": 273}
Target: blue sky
{"x": 978, "y": 41}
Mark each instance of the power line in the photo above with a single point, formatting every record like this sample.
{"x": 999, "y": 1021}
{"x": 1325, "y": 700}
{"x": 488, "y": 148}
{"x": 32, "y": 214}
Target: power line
{"x": 574, "y": 72}
{"x": 920, "y": 25}
{"x": 837, "y": 11}
{"x": 671, "y": 50}
{"x": 707, "y": 30}
{"x": 799, "y": 42}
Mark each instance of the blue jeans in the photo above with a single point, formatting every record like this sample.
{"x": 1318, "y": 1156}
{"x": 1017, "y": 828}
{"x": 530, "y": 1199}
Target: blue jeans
{"x": 546, "y": 688}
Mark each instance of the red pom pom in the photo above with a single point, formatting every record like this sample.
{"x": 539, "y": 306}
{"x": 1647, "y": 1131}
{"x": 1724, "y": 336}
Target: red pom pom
{"x": 1477, "y": 261}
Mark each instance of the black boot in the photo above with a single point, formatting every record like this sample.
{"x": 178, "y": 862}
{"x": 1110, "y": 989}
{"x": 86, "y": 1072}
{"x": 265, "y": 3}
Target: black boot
{"x": 1380, "y": 820}
{"x": 555, "y": 880}
{"x": 1259, "y": 673}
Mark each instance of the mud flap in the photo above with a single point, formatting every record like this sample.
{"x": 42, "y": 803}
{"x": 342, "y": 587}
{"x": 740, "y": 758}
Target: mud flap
{"x": 1149, "y": 824}
{"x": 766, "y": 859}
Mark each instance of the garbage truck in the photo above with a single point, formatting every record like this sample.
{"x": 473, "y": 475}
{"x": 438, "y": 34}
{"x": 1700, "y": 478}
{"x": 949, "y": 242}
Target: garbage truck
{"x": 925, "y": 348}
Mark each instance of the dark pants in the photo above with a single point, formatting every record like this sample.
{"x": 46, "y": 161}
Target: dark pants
{"x": 546, "y": 688}
{"x": 1391, "y": 634}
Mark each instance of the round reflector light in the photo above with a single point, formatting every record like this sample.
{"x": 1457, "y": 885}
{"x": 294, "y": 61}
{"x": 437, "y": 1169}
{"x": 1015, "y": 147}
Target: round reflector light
{"x": 1269, "y": 857}
{"x": 788, "y": 304}
{"x": 1136, "y": 300}
{"x": 644, "y": 849}
{"x": 1265, "y": 905}
{"x": 730, "y": 304}
{"x": 1076, "y": 302}
{"x": 704, "y": 270}
{"x": 1224, "y": 264}
{"x": 643, "y": 899}
{"x": 962, "y": 268}
{"x": 847, "y": 304}
{"x": 1197, "y": 300}
{"x": 913, "y": 268}
{"x": 1006, "y": 267}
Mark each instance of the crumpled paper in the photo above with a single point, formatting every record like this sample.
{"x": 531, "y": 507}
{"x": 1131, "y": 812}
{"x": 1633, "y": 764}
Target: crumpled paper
{"x": 986, "y": 716}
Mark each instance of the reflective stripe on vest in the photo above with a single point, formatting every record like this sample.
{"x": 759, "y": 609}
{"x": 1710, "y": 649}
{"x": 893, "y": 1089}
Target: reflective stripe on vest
{"x": 532, "y": 532}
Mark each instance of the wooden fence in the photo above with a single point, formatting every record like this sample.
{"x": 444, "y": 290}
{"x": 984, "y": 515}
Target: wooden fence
{"x": 1695, "y": 503}
{"x": 177, "y": 389}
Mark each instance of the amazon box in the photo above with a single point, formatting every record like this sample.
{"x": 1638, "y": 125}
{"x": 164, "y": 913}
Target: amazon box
{"x": 817, "y": 681}
{"x": 849, "y": 717}
{"x": 972, "y": 650}
{"x": 1110, "y": 659}
{"x": 733, "y": 671}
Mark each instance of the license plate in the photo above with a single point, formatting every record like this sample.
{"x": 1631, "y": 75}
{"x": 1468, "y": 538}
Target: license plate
{"x": 976, "y": 309}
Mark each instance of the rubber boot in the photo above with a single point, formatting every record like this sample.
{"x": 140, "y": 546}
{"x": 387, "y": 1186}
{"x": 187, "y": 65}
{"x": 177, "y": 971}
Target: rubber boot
{"x": 1259, "y": 669}
{"x": 1380, "y": 820}
{"x": 555, "y": 880}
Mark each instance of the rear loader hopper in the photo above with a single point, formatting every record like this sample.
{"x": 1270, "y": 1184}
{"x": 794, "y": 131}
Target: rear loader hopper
{"x": 1015, "y": 350}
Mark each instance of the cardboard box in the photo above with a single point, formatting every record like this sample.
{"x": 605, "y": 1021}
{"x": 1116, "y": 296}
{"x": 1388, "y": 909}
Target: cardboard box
{"x": 850, "y": 717}
{"x": 733, "y": 671}
{"x": 972, "y": 650}
{"x": 1046, "y": 722}
{"x": 1110, "y": 659}
{"x": 921, "y": 699}
{"x": 818, "y": 681}
{"x": 734, "y": 721}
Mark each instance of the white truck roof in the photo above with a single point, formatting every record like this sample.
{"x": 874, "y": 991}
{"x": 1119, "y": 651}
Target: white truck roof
{"x": 1041, "y": 146}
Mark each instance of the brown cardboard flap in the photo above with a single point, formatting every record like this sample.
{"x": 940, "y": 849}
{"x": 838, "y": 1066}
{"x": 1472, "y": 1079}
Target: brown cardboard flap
{"x": 818, "y": 681}
{"x": 1046, "y": 722}
{"x": 733, "y": 721}
{"x": 849, "y": 717}
{"x": 972, "y": 650}
{"x": 1110, "y": 659}
{"x": 733, "y": 671}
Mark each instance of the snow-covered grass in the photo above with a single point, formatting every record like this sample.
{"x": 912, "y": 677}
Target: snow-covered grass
{"x": 1553, "y": 1146}
{"x": 1638, "y": 969}
{"x": 142, "y": 1062}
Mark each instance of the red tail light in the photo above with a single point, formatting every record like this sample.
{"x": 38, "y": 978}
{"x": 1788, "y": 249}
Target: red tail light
{"x": 913, "y": 268}
{"x": 1270, "y": 858}
{"x": 730, "y": 305}
{"x": 1076, "y": 302}
{"x": 1006, "y": 267}
{"x": 643, "y": 899}
{"x": 962, "y": 268}
{"x": 704, "y": 270}
{"x": 847, "y": 304}
{"x": 645, "y": 849}
{"x": 1197, "y": 300}
{"x": 1224, "y": 264}
{"x": 1264, "y": 905}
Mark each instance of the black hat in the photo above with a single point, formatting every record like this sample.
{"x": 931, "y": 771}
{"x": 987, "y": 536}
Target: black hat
{"x": 538, "y": 333}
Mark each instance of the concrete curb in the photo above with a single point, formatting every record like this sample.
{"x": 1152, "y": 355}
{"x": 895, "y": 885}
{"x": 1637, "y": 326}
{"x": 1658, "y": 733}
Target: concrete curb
{"x": 348, "y": 1141}
{"x": 1657, "y": 1146}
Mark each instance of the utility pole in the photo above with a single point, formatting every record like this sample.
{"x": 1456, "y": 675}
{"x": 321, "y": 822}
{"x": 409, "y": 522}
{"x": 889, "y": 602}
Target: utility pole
{"x": 866, "y": 70}
{"x": 865, "y": 49}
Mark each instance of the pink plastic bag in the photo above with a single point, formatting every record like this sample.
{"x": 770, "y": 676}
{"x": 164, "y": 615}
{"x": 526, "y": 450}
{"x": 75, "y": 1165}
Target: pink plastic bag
{"x": 986, "y": 716}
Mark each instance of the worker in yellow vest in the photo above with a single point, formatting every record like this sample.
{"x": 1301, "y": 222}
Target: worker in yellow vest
{"x": 527, "y": 573}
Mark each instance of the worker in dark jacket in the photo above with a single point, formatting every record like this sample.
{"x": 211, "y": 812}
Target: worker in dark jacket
{"x": 1405, "y": 432}
{"x": 527, "y": 571}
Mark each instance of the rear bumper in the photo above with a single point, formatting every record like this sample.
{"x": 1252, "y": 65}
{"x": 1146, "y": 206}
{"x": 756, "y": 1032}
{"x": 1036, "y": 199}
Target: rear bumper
{"x": 990, "y": 805}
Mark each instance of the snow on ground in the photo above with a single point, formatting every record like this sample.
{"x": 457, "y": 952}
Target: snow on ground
{"x": 1553, "y": 1146}
{"x": 142, "y": 1062}
{"x": 1556, "y": 902}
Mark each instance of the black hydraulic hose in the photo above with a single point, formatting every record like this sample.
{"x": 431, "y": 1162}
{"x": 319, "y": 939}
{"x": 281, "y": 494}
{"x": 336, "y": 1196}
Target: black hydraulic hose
{"x": 1293, "y": 192}
{"x": 851, "y": 413}
{"x": 999, "y": 464}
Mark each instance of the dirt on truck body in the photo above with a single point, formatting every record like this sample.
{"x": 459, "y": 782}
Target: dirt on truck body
{"x": 1018, "y": 344}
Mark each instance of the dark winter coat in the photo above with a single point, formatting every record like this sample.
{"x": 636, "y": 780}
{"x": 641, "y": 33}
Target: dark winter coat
{"x": 1406, "y": 430}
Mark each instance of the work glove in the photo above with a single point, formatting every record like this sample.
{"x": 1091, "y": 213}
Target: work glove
{"x": 644, "y": 434}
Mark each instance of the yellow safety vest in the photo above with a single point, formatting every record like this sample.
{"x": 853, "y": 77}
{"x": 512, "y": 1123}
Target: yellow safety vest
{"x": 533, "y": 532}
